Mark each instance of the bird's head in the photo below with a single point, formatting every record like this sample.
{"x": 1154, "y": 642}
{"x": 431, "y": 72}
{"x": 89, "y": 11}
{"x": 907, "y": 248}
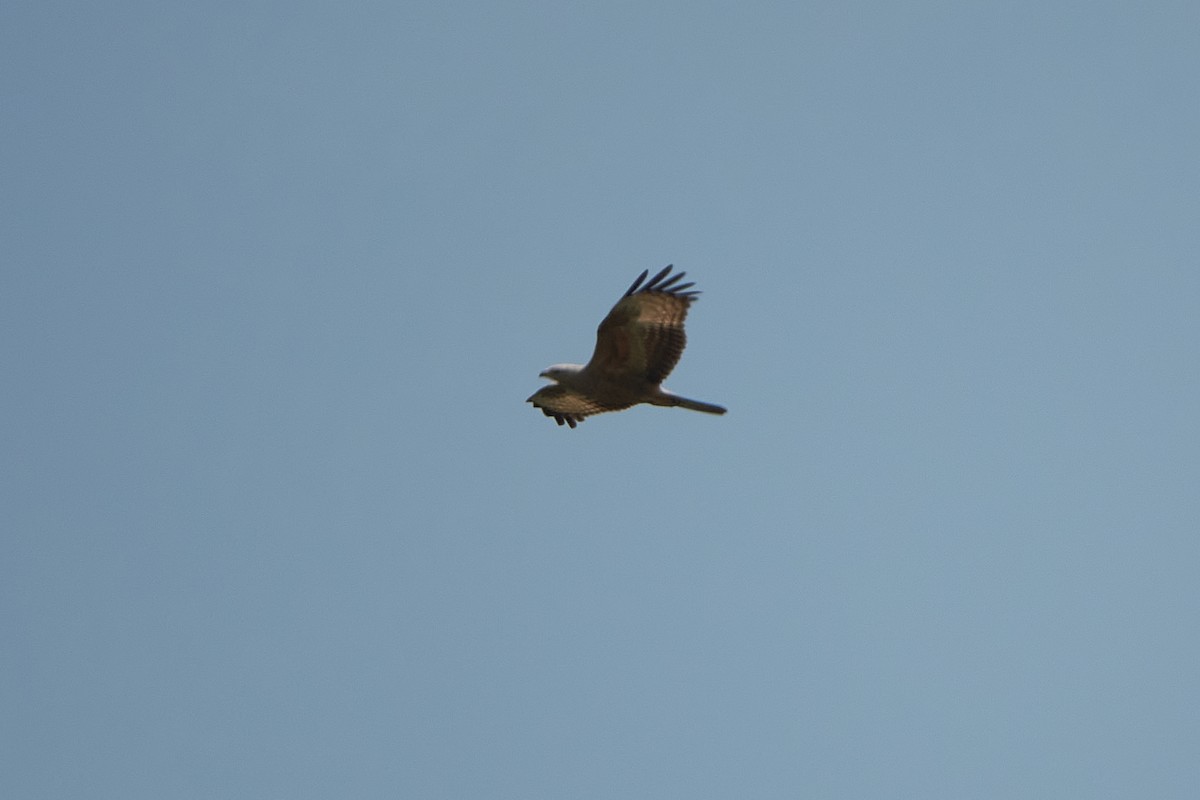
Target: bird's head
{"x": 558, "y": 372}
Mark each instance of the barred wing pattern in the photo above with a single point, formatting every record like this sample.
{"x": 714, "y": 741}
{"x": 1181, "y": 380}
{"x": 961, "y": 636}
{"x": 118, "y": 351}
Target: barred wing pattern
{"x": 642, "y": 337}
{"x": 568, "y": 406}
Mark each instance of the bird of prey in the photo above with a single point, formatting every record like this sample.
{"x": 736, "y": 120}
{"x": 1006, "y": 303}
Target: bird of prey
{"x": 637, "y": 346}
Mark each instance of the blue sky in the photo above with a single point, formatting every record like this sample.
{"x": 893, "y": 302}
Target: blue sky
{"x": 278, "y": 277}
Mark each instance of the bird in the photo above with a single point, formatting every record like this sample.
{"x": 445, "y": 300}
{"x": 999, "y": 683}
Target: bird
{"x": 637, "y": 346}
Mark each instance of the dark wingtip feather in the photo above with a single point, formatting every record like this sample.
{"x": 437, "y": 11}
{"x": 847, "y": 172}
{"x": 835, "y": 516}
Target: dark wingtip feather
{"x": 665, "y": 285}
{"x": 561, "y": 419}
{"x": 637, "y": 283}
{"x": 652, "y": 284}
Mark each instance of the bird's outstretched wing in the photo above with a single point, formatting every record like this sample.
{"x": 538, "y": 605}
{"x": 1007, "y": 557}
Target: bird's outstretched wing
{"x": 569, "y": 406}
{"x": 642, "y": 337}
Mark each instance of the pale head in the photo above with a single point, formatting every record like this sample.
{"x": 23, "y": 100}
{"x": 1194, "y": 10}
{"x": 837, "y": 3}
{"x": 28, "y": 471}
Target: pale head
{"x": 558, "y": 372}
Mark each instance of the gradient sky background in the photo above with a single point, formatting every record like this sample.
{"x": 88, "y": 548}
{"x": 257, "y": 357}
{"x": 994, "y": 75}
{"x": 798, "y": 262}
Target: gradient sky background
{"x": 278, "y": 277}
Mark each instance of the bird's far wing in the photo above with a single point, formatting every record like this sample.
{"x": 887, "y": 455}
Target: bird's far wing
{"x": 642, "y": 337}
{"x": 569, "y": 406}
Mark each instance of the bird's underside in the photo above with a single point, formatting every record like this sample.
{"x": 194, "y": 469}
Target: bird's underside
{"x": 637, "y": 346}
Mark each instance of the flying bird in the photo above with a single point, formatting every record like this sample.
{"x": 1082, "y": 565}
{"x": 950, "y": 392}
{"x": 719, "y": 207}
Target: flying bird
{"x": 637, "y": 346}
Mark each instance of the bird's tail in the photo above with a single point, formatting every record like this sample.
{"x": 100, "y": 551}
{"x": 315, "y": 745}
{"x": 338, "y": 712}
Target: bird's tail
{"x": 695, "y": 405}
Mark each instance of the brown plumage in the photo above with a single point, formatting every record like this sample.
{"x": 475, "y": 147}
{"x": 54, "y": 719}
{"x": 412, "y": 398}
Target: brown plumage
{"x": 637, "y": 346}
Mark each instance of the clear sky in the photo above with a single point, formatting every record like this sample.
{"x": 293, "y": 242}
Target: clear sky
{"x": 276, "y": 279}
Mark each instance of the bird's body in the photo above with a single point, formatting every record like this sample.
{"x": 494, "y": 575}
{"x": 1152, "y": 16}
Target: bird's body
{"x": 637, "y": 346}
